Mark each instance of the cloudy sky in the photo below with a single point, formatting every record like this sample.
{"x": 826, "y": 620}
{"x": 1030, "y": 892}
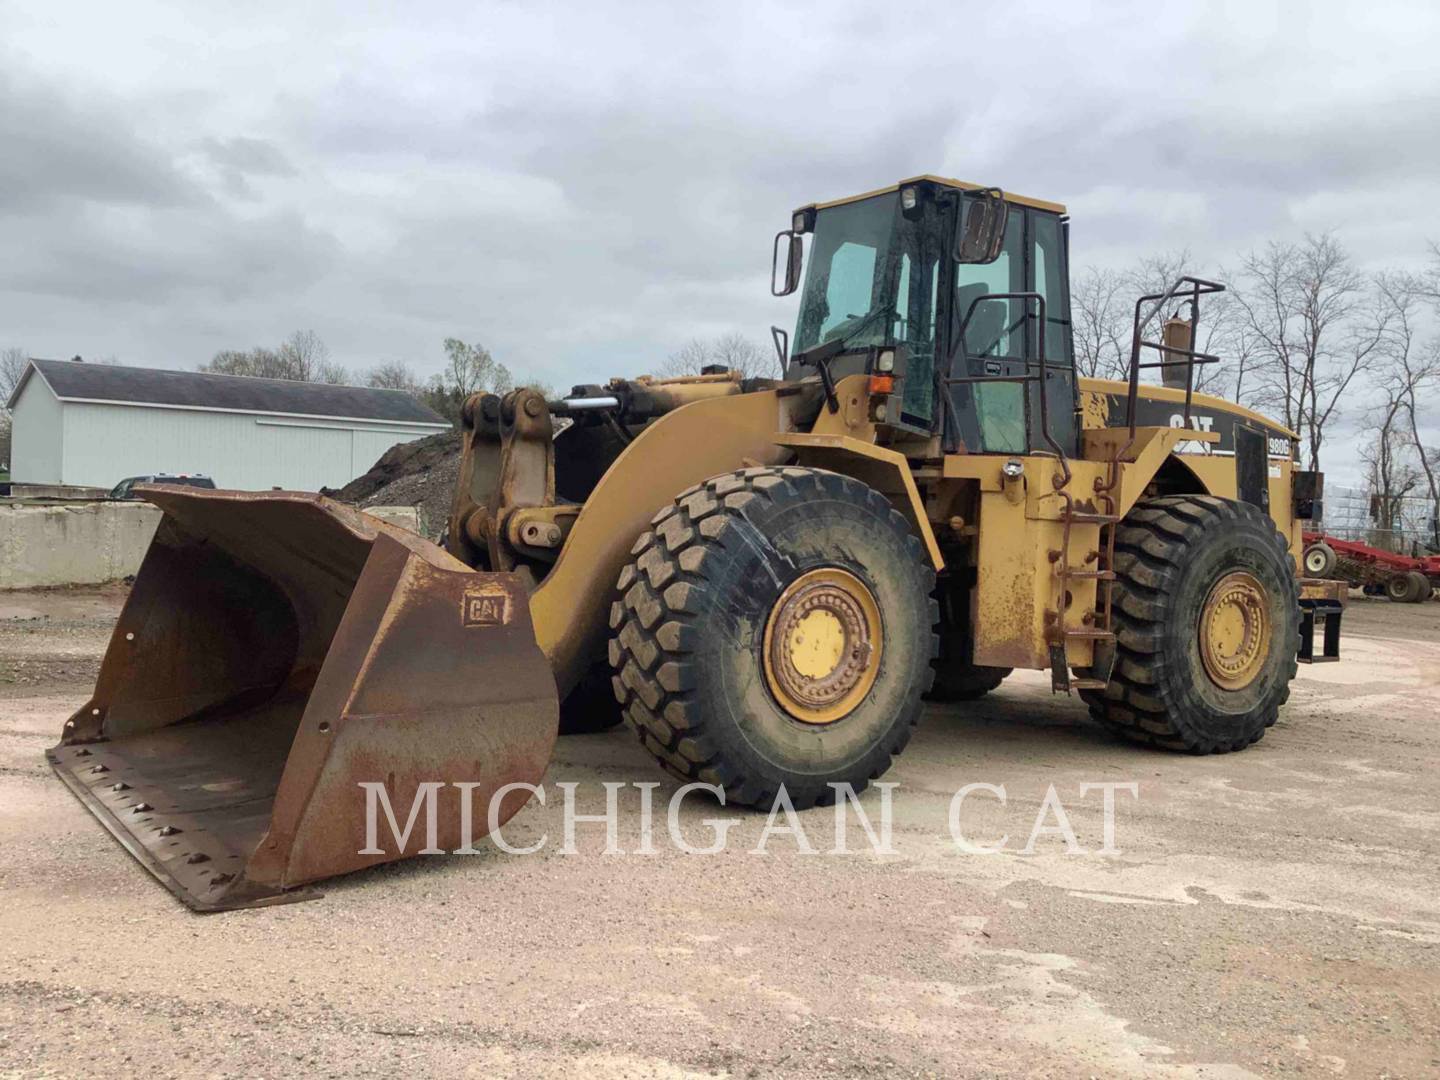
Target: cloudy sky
{"x": 585, "y": 187}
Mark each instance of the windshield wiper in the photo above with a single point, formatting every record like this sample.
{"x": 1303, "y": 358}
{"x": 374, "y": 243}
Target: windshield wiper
{"x": 839, "y": 344}
{"x": 819, "y": 356}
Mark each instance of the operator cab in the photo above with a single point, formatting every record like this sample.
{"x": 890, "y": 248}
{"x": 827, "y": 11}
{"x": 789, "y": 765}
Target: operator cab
{"x": 942, "y": 284}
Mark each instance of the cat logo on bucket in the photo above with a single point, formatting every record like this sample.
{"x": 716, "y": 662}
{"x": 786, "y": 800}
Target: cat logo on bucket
{"x": 486, "y": 607}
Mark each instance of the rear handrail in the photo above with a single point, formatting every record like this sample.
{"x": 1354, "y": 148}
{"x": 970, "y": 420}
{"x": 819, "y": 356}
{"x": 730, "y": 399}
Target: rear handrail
{"x": 1191, "y": 289}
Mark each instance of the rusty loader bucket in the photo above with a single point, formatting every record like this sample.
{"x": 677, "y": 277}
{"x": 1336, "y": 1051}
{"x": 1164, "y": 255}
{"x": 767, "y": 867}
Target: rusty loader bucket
{"x": 279, "y": 650}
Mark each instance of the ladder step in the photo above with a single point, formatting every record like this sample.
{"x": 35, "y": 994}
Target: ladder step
{"x": 1089, "y": 575}
{"x": 1094, "y": 519}
{"x": 1088, "y": 684}
{"x": 1091, "y": 634}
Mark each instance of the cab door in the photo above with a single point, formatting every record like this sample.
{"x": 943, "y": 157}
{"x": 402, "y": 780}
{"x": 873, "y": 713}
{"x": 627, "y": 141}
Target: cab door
{"x": 1001, "y": 340}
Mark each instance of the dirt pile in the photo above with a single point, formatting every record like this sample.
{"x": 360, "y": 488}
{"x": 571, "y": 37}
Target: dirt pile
{"x": 420, "y": 474}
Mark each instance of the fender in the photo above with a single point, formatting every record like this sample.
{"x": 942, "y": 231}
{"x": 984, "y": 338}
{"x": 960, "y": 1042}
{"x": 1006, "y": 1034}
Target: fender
{"x": 887, "y": 471}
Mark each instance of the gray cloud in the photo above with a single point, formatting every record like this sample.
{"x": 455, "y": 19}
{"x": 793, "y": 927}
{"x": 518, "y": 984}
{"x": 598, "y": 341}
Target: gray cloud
{"x": 584, "y": 189}
{"x": 59, "y": 149}
{"x": 236, "y": 160}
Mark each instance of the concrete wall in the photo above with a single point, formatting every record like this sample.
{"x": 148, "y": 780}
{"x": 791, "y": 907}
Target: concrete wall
{"x": 103, "y": 444}
{"x": 73, "y": 543}
{"x": 35, "y": 440}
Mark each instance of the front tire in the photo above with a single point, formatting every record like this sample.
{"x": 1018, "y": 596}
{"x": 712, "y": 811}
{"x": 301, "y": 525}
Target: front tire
{"x": 775, "y": 627}
{"x": 1207, "y": 620}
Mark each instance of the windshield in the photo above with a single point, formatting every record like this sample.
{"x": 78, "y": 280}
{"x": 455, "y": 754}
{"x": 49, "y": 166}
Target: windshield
{"x": 848, "y": 280}
{"x": 872, "y": 279}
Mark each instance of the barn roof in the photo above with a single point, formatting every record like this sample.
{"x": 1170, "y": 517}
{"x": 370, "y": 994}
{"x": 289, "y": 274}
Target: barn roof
{"x": 73, "y": 381}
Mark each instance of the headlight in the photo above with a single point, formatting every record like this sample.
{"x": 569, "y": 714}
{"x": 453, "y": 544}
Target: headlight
{"x": 1013, "y": 468}
{"x": 885, "y": 361}
{"x": 797, "y": 223}
{"x": 909, "y": 198}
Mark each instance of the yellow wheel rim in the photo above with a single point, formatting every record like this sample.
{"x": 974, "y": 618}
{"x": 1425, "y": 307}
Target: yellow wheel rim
{"x": 1235, "y": 631}
{"x": 822, "y": 647}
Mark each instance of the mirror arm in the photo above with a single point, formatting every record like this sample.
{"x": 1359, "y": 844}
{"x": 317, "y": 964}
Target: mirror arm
{"x": 781, "y": 338}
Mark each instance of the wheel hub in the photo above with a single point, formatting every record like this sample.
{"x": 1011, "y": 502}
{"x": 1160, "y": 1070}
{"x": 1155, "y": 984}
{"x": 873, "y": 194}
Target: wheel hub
{"x": 822, "y": 645}
{"x": 1235, "y": 631}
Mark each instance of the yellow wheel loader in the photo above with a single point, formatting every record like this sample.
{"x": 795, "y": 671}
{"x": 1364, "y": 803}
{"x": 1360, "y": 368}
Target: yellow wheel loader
{"x": 763, "y": 577}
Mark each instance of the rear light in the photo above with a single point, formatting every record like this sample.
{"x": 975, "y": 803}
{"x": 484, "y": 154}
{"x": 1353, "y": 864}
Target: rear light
{"x": 882, "y": 384}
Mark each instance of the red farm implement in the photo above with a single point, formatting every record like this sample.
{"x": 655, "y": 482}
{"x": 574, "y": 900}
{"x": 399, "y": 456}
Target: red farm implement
{"x": 1403, "y": 578}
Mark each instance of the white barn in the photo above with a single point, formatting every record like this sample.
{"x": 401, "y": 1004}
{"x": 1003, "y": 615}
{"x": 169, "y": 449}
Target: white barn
{"x": 92, "y": 425}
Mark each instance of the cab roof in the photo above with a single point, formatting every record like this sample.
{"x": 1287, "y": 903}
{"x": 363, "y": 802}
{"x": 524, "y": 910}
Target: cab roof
{"x": 961, "y": 185}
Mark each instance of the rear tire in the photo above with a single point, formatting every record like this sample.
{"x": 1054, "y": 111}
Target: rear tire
{"x": 1320, "y": 560}
{"x": 957, "y": 677}
{"x": 692, "y": 648}
{"x": 1192, "y": 570}
{"x": 965, "y": 682}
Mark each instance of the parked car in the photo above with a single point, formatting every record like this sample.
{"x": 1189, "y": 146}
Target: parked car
{"x": 123, "y": 490}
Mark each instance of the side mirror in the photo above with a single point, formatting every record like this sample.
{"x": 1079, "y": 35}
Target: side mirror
{"x": 793, "y": 253}
{"x": 981, "y": 232}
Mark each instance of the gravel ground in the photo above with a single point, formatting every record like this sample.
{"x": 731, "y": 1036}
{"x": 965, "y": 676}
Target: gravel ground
{"x": 1270, "y": 912}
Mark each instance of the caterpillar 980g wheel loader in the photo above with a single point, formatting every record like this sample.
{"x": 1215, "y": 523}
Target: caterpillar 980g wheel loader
{"x": 764, "y": 577}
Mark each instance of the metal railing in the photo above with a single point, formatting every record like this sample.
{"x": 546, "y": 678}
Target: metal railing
{"x": 1186, "y": 289}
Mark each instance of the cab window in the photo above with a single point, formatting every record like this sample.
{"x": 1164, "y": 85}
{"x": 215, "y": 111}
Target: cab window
{"x": 996, "y": 331}
{"x": 995, "y": 325}
{"x": 847, "y": 291}
{"x": 1047, "y": 258}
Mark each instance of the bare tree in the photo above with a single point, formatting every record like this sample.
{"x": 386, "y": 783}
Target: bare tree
{"x": 13, "y": 362}
{"x": 733, "y": 351}
{"x": 307, "y": 357}
{"x": 689, "y": 359}
{"x": 1390, "y": 472}
{"x": 1100, "y": 310}
{"x": 1428, "y": 283}
{"x": 394, "y": 375}
{"x": 739, "y": 353}
{"x": 1315, "y": 325}
{"x": 302, "y": 357}
{"x": 1225, "y": 332}
{"x": 259, "y": 363}
{"x": 469, "y": 369}
{"x": 1410, "y": 371}
{"x": 1395, "y": 458}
